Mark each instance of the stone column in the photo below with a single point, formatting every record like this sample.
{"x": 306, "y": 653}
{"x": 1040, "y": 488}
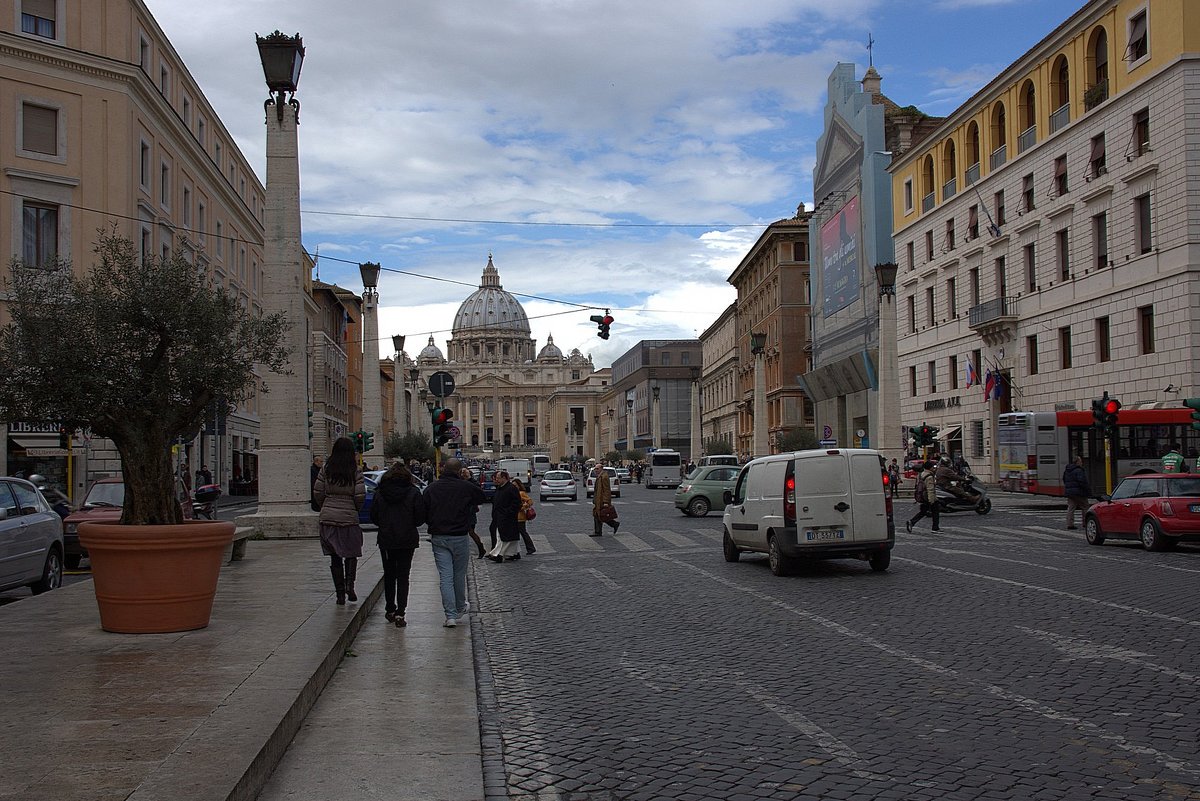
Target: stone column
{"x": 283, "y": 452}
{"x": 372, "y": 392}
{"x": 886, "y": 435}
{"x": 761, "y": 448}
{"x": 694, "y": 445}
{"x": 515, "y": 422}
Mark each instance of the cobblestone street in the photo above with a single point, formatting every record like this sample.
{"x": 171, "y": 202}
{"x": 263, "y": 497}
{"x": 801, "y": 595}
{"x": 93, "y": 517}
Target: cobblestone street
{"x": 1003, "y": 658}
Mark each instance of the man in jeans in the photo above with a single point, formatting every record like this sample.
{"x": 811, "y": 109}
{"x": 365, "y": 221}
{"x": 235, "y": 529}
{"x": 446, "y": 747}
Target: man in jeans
{"x": 449, "y": 504}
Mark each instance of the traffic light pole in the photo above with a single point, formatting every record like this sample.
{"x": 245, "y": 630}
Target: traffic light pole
{"x": 1108, "y": 485}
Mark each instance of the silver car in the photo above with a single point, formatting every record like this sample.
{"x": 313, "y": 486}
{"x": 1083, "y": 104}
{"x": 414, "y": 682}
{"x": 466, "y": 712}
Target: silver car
{"x": 31, "y": 538}
{"x": 558, "y": 484}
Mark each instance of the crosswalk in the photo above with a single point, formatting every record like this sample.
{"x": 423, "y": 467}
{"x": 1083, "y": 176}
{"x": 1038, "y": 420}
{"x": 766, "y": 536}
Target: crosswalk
{"x": 953, "y": 531}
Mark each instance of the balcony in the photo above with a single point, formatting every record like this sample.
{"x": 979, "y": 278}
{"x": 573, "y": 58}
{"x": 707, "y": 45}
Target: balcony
{"x": 999, "y": 156}
{"x": 1060, "y": 117}
{"x": 994, "y": 320}
{"x": 972, "y": 173}
{"x": 1027, "y": 139}
{"x": 1095, "y": 95}
{"x": 927, "y": 203}
{"x": 949, "y": 189}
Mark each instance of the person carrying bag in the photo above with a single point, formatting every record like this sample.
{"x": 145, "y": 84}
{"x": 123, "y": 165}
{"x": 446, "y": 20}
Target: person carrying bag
{"x": 603, "y": 510}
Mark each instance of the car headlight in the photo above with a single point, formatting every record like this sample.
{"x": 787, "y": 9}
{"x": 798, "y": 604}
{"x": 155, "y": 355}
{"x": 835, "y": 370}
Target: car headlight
{"x": 70, "y": 528}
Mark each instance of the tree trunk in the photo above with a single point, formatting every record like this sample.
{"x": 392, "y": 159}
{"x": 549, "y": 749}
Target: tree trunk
{"x": 150, "y": 497}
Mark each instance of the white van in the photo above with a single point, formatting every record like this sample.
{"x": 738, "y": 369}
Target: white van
{"x": 664, "y": 469}
{"x": 722, "y": 458}
{"x": 517, "y": 468}
{"x": 541, "y": 463}
{"x": 820, "y": 504}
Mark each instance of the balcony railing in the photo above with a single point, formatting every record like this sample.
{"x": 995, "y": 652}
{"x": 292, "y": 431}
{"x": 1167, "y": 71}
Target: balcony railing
{"x": 949, "y": 189}
{"x": 1027, "y": 139}
{"x": 1095, "y": 95}
{"x": 973, "y": 173}
{"x": 927, "y": 203}
{"x": 993, "y": 311}
{"x": 999, "y": 156}
{"x": 1060, "y": 117}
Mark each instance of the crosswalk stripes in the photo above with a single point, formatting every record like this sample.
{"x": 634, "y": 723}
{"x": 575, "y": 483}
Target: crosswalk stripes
{"x": 709, "y": 533}
{"x": 542, "y": 542}
{"x": 673, "y": 538}
{"x": 633, "y": 542}
{"x": 583, "y": 542}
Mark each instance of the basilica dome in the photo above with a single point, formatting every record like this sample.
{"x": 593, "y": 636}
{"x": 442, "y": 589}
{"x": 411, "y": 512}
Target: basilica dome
{"x": 430, "y": 352}
{"x": 490, "y": 309}
{"x": 550, "y": 352}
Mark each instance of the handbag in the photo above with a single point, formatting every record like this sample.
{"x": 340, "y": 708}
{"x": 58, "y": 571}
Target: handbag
{"x": 530, "y": 512}
{"x": 606, "y": 512}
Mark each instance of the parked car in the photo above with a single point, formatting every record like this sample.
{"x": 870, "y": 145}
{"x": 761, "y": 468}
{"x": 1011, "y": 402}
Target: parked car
{"x": 558, "y": 484}
{"x": 1160, "y": 510}
{"x": 623, "y": 474}
{"x": 704, "y": 489}
{"x": 371, "y": 481}
{"x": 487, "y": 483}
{"x": 103, "y": 504}
{"x": 614, "y": 482}
{"x": 31, "y": 538}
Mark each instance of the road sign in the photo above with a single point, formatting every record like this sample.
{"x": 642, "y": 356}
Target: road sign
{"x": 454, "y": 432}
{"x": 827, "y": 433}
{"x": 441, "y": 384}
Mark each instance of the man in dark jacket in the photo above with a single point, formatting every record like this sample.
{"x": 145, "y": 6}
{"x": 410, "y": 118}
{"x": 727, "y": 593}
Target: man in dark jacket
{"x": 449, "y": 502}
{"x": 1077, "y": 488}
{"x": 398, "y": 511}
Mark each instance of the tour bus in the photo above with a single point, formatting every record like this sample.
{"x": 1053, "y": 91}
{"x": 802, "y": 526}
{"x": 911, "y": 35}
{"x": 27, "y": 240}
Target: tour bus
{"x": 664, "y": 469}
{"x": 541, "y": 463}
{"x": 1033, "y": 448}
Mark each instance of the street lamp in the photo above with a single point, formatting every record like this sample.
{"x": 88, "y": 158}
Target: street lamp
{"x": 655, "y": 419}
{"x": 628, "y": 424}
{"x": 694, "y": 444}
{"x": 758, "y": 345}
{"x": 372, "y": 390}
{"x": 887, "y": 429}
{"x": 885, "y": 273}
{"x": 284, "y": 450}
{"x": 399, "y": 406}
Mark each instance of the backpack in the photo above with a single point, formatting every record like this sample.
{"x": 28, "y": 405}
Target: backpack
{"x": 930, "y": 486}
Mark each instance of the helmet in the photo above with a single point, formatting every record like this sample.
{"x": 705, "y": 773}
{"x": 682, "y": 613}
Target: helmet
{"x": 37, "y": 480}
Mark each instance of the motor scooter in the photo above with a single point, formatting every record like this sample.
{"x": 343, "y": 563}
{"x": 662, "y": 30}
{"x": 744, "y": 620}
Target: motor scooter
{"x": 949, "y": 502}
{"x": 204, "y": 502}
{"x": 57, "y": 499}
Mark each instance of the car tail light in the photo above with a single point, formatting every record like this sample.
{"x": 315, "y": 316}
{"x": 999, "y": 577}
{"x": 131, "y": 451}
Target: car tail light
{"x": 789, "y": 500}
{"x": 1164, "y": 509}
{"x": 685, "y": 487}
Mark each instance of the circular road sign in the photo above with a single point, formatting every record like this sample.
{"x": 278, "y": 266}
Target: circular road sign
{"x": 441, "y": 384}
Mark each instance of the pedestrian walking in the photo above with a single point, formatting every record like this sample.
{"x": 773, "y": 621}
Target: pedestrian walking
{"x": 449, "y": 502}
{"x": 523, "y": 517}
{"x": 894, "y": 477}
{"x": 466, "y": 474}
{"x": 603, "y": 510}
{"x": 340, "y": 492}
{"x": 926, "y": 495}
{"x": 398, "y": 512}
{"x": 1172, "y": 461}
{"x": 313, "y": 472}
{"x": 203, "y": 476}
{"x": 1077, "y": 488}
{"x": 506, "y": 506}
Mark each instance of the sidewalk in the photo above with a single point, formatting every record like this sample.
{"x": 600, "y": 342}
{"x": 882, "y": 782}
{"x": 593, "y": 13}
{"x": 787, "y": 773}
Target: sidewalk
{"x": 207, "y": 715}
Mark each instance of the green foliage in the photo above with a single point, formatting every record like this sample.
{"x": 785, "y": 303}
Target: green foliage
{"x": 615, "y": 456}
{"x": 406, "y": 447}
{"x": 718, "y": 447}
{"x": 798, "y": 439}
{"x": 136, "y": 350}
{"x": 636, "y": 455}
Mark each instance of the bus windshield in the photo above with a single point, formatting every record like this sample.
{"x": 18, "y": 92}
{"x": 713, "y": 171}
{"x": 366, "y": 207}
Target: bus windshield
{"x": 665, "y": 459}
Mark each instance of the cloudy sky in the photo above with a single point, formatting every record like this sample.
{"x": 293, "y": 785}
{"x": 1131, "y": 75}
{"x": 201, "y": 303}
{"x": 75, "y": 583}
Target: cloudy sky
{"x": 608, "y": 153}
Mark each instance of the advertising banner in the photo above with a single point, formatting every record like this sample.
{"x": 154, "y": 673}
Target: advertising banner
{"x": 840, "y": 242}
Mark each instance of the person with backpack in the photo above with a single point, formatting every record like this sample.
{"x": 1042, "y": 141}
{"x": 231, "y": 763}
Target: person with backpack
{"x": 926, "y": 495}
{"x": 398, "y": 512}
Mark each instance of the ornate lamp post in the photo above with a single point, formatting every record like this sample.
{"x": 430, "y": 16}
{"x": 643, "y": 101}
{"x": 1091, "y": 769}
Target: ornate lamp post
{"x": 758, "y": 345}
{"x": 694, "y": 445}
{"x": 886, "y": 434}
{"x": 283, "y": 453}
{"x": 629, "y": 424}
{"x": 399, "y": 403}
{"x": 372, "y": 391}
{"x": 655, "y": 420}
{"x": 612, "y": 433}
{"x": 426, "y": 419}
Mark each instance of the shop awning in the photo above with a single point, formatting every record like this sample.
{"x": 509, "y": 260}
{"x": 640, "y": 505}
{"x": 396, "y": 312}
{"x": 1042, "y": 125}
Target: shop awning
{"x": 948, "y": 433}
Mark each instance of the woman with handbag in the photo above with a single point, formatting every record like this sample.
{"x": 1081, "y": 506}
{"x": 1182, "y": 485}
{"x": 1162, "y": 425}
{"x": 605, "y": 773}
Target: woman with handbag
{"x": 603, "y": 510}
{"x": 526, "y": 514}
{"x": 340, "y": 492}
{"x": 506, "y": 506}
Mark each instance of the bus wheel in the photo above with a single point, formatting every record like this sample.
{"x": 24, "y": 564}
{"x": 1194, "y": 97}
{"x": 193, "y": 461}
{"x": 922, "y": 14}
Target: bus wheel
{"x": 1092, "y": 531}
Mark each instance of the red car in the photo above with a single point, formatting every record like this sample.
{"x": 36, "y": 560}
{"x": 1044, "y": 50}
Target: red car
{"x": 1160, "y": 510}
{"x": 103, "y": 505}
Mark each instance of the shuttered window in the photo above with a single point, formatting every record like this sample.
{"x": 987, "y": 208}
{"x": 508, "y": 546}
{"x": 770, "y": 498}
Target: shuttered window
{"x": 39, "y": 129}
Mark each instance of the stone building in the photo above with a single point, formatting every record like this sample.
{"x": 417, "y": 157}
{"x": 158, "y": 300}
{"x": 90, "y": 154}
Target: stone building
{"x": 720, "y": 389}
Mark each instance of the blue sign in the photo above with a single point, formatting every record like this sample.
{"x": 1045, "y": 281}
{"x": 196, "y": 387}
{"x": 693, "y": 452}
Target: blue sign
{"x": 458, "y": 454}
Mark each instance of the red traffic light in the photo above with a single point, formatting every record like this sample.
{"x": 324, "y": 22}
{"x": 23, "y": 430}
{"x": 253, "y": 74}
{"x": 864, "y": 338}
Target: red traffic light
{"x": 442, "y": 416}
{"x": 1112, "y": 406}
{"x": 607, "y": 319}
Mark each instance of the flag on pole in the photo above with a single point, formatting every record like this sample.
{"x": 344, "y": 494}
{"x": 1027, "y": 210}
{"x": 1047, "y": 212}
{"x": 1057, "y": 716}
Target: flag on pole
{"x": 972, "y": 377}
{"x": 989, "y": 385}
{"x": 999, "y": 393}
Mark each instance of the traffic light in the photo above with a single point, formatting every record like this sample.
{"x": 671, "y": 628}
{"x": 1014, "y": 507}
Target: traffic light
{"x": 1112, "y": 407}
{"x": 925, "y": 435}
{"x": 359, "y": 440}
{"x": 441, "y": 426}
{"x": 602, "y": 321}
{"x": 64, "y": 437}
{"x": 1194, "y": 405}
{"x": 1098, "y": 412}
{"x": 368, "y": 441}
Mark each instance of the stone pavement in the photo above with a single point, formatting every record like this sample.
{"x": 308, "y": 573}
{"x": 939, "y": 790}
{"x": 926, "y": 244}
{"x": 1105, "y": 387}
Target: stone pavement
{"x": 208, "y": 714}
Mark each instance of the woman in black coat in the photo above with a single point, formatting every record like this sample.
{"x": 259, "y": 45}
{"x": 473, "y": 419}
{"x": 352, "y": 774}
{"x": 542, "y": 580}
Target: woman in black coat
{"x": 506, "y": 504}
{"x": 398, "y": 511}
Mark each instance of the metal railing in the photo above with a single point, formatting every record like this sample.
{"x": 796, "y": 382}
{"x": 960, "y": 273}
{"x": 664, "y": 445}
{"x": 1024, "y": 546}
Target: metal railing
{"x": 999, "y": 156}
{"x": 949, "y": 189}
{"x": 1060, "y": 117}
{"x": 1027, "y": 139}
{"x": 927, "y": 202}
{"x": 992, "y": 311}
{"x": 973, "y": 173}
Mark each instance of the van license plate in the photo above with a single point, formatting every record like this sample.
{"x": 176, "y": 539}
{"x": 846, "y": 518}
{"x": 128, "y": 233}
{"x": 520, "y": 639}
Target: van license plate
{"x": 815, "y": 536}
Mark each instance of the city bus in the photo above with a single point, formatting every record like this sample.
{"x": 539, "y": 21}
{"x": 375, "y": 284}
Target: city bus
{"x": 665, "y": 469}
{"x": 1033, "y": 448}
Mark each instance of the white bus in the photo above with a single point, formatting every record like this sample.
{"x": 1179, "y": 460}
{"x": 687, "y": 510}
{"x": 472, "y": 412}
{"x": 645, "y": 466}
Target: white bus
{"x": 541, "y": 463}
{"x": 664, "y": 469}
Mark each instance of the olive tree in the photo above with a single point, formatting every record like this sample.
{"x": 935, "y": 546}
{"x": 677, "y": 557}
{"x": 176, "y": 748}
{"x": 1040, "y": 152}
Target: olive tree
{"x": 134, "y": 349}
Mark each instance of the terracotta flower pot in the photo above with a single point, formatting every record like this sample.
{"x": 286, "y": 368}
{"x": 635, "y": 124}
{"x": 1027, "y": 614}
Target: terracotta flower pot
{"x": 155, "y": 579}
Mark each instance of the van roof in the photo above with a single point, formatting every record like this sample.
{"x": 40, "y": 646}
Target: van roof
{"x": 813, "y": 454}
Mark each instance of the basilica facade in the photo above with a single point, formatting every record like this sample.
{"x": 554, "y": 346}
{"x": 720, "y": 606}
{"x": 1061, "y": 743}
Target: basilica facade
{"x": 510, "y": 398}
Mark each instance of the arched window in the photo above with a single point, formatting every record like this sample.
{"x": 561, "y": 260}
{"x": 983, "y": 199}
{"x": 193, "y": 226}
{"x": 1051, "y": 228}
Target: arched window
{"x": 972, "y": 155}
{"x": 949, "y": 170}
{"x": 999, "y": 134}
{"x": 1096, "y": 91}
{"x": 1027, "y": 117}
{"x": 927, "y": 185}
{"x": 1060, "y": 94}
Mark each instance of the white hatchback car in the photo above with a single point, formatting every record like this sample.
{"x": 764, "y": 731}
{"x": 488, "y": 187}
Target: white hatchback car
{"x": 558, "y": 484}
{"x": 31, "y": 538}
{"x": 614, "y": 482}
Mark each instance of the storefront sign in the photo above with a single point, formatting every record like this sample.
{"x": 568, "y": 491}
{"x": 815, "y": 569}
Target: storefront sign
{"x": 943, "y": 403}
{"x": 47, "y": 452}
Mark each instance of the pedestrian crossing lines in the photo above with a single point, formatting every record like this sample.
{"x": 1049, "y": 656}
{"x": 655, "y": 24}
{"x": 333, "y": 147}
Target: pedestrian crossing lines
{"x": 568, "y": 542}
{"x": 997, "y": 534}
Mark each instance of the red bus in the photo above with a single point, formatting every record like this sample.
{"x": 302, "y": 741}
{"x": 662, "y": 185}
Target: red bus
{"x": 1033, "y": 448}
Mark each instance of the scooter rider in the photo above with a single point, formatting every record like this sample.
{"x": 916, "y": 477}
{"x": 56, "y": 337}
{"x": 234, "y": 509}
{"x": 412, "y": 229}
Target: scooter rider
{"x": 949, "y": 479}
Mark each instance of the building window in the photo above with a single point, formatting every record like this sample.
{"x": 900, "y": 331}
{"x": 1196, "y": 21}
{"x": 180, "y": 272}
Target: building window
{"x": 187, "y": 207}
{"x": 685, "y": 358}
{"x": 908, "y": 195}
{"x": 201, "y": 131}
{"x": 666, "y": 359}
{"x": 39, "y": 129}
{"x": 144, "y": 54}
{"x": 800, "y": 251}
{"x": 1060, "y": 175}
{"x": 929, "y": 308}
{"x": 164, "y": 185}
{"x": 1103, "y": 340}
{"x": 912, "y": 381}
{"x": 220, "y": 240}
{"x": 950, "y": 234}
{"x": 929, "y": 246}
{"x": 973, "y": 222}
{"x": 1100, "y": 239}
{"x": 201, "y": 221}
{"x": 953, "y": 372}
{"x": 187, "y": 112}
{"x": 217, "y": 155}
{"x": 1001, "y": 278}
{"x": 912, "y": 314}
{"x": 147, "y": 243}
{"x": 164, "y": 81}
{"x": 39, "y": 234}
{"x": 1141, "y": 223}
{"x": 952, "y": 297}
{"x": 974, "y": 277}
{"x": 1030, "y": 267}
{"x": 912, "y": 256}
{"x": 1064, "y": 347}
{"x": 1063, "y": 253}
{"x": 144, "y": 167}
{"x": 977, "y": 438}
{"x": 1146, "y": 329}
{"x": 1096, "y": 160}
{"x": 932, "y": 377}
{"x": 1139, "y": 38}
{"x": 999, "y": 205}
{"x": 1027, "y": 199}
{"x": 39, "y": 18}
{"x": 1031, "y": 354}
{"x": 1141, "y": 132}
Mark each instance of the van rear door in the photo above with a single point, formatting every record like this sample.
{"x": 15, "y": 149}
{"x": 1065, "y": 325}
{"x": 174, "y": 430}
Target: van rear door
{"x": 824, "y": 505}
{"x": 868, "y": 506}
